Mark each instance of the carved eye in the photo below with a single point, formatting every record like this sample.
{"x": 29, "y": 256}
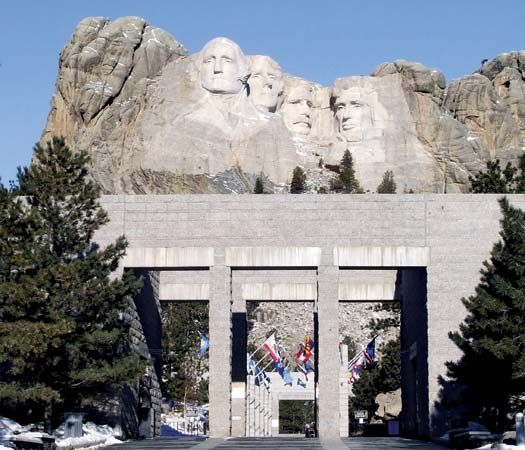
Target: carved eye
{"x": 340, "y": 106}
{"x": 271, "y": 76}
{"x": 356, "y": 104}
{"x": 309, "y": 103}
{"x": 226, "y": 59}
{"x": 256, "y": 75}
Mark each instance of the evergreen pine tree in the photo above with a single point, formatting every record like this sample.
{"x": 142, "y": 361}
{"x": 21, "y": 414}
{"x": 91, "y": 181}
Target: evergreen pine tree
{"x": 383, "y": 376}
{"x": 259, "y": 186}
{"x": 347, "y": 182}
{"x": 495, "y": 180}
{"x": 298, "y": 184}
{"x": 387, "y": 185}
{"x": 492, "y": 368}
{"x": 182, "y": 369}
{"x": 62, "y": 336}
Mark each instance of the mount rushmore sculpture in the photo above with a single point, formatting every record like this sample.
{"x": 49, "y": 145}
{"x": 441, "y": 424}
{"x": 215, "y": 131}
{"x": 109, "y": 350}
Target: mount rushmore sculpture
{"x": 156, "y": 120}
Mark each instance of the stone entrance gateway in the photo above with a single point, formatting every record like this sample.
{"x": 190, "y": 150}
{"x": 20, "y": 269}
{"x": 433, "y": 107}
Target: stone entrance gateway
{"x": 436, "y": 242}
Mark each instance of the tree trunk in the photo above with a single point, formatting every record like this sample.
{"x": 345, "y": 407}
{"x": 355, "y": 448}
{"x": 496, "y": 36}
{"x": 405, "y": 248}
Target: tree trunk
{"x": 48, "y": 417}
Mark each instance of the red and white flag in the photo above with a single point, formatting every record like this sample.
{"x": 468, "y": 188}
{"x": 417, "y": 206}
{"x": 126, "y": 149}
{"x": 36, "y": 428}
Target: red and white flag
{"x": 271, "y": 347}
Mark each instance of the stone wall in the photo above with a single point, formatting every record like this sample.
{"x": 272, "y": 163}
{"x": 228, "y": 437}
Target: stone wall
{"x": 449, "y": 235}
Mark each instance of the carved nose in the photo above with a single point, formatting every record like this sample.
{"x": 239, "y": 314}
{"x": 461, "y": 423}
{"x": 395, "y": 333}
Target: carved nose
{"x": 217, "y": 66}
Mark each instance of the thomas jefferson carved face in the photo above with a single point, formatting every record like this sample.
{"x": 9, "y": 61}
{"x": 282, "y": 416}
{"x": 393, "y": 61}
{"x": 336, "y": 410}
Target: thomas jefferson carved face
{"x": 224, "y": 69}
{"x": 349, "y": 110}
{"x": 266, "y": 82}
{"x": 296, "y": 109}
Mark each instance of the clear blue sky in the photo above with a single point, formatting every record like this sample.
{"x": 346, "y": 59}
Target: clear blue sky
{"x": 316, "y": 39}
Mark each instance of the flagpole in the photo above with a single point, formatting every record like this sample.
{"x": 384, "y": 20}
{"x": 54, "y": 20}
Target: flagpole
{"x": 271, "y": 362}
{"x": 260, "y": 346}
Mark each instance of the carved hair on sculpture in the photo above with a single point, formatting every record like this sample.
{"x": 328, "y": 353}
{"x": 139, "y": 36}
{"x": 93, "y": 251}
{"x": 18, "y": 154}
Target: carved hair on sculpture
{"x": 266, "y": 82}
{"x": 297, "y": 105}
{"x": 223, "y": 67}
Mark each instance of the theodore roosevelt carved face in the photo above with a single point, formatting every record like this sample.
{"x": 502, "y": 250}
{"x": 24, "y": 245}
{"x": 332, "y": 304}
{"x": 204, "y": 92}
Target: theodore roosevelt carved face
{"x": 224, "y": 69}
{"x": 296, "y": 108}
{"x": 266, "y": 82}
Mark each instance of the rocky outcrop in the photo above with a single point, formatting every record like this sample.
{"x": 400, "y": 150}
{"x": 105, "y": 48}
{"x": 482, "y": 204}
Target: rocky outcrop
{"x": 507, "y": 74}
{"x": 473, "y": 101}
{"x": 105, "y": 72}
{"x": 455, "y": 152}
{"x": 389, "y": 405}
{"x": 156, "y": 120}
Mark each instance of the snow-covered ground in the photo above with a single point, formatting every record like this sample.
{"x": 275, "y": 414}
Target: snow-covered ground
{"x": 501, "y": 447}
{"x": 174, "y": 424}
{"x": 94, "y": 436}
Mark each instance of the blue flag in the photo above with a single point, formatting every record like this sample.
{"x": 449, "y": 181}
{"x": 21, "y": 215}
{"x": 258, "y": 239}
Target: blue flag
{"x": 370, "y": 352}
{"x": 205, "y": 344}
{"x": 284, "y": 372}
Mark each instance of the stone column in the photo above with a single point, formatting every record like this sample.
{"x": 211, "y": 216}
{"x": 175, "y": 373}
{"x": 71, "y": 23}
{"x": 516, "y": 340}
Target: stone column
{"x": 220, "y": 350}
{"x": 328, "y": 348}
{"x": 343, "y": 392}
{"x": 239, "y": 348}
{"x": 275, "y": 414}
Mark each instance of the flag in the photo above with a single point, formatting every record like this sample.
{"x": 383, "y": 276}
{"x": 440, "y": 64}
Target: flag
{"x": 205, "y": 344}
{"x": 284, "y": 372}
{"x": 271, "y": 347}
{"x": 355, "y": 367}
{"x": 364, "y": 358}
{"x": 370, "y": 352}
{"x": 260, "y": 375}
{"x": 309, "y": 344}
{"x": 309, "y": 366}
{"x": 303, "y": 357}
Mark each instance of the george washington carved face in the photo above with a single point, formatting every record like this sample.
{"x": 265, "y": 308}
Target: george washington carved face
{"x": 224, "y": 69}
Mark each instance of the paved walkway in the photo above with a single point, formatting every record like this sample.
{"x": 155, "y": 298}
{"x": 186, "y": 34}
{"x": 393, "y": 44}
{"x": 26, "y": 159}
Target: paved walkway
{"x": 356, "y": 443}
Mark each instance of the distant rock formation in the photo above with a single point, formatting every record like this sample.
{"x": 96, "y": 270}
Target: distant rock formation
{"x": 156, "y": 120}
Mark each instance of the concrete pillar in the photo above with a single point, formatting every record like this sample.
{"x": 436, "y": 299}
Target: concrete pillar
{"x": 239, "y": 348}
{"x": 275, "y": 415}
{"x": 343, "y": 392}
{"x": 220, "y": 351}
{"x": 328, "y": 349}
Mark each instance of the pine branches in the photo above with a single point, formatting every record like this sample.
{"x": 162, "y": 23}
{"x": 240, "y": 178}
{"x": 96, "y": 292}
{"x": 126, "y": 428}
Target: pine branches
{"x": 62, "y": 337}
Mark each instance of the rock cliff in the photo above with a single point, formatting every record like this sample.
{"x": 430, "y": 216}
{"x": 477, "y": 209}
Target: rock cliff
{"x": 157, "y": 120}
